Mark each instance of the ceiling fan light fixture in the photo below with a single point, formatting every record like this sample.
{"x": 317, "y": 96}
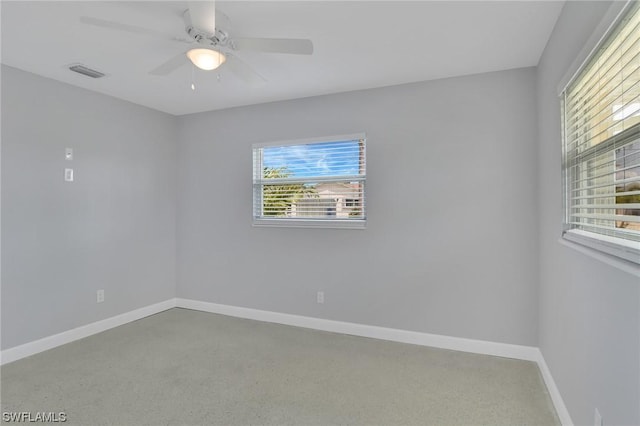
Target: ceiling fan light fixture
{"x": 206, "y": 59}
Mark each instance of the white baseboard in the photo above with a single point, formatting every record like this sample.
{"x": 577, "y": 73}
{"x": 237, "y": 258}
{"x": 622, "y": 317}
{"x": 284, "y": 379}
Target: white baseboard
{"x": 554, "y": 392}
{"x": 50, "y": 342}
{"x": 529, "y": 353}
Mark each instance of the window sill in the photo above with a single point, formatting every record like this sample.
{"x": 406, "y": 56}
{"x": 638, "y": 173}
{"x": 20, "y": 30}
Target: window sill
{"x": 624, "y": 257}
{"x": 303, "y": 223}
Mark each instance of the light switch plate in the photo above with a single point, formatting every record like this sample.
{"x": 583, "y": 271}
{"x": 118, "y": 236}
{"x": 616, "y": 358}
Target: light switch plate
{"x": 68, "y": 154}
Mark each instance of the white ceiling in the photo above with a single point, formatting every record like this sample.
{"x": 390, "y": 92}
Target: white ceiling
{"x": 358, "y": 45}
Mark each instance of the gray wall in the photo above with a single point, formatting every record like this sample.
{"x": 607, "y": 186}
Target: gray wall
{"x": 112, "y": 229}
{"x": 589, "y": 311}
{"x": 451, "y": 242}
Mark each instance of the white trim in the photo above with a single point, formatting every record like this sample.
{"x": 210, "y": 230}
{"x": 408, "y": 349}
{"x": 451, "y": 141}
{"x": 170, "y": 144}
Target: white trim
{"x": 602, "y": 31}
{"x": 619, "y": 247}
{"x": 50, "y": 342}
{"x": 333, "y": 138}
{"x": 601, "y": 254}
{"x": 528, "y": 353}
{"x": 554, "y": 392}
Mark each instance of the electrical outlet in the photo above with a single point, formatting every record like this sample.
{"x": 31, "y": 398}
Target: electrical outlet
{"x": 68, "y": 175}
{"x": 597, "y": 418}
{"x": 320, "y": 297}
{"x": 100, "y": 296}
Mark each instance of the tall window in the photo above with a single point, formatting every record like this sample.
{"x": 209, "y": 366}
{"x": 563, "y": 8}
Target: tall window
{"x": 317, "y": 183}
{"x": 601, "y": 132}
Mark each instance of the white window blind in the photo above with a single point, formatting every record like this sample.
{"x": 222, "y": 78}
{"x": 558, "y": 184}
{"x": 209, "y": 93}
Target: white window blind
{"x": 601, "y": 133}
{"x": 319, "y": 183}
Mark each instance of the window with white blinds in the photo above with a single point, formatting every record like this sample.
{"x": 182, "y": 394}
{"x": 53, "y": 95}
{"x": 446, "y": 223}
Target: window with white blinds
{"x": 311, "y": 183}
{"x": 601, "y": 133}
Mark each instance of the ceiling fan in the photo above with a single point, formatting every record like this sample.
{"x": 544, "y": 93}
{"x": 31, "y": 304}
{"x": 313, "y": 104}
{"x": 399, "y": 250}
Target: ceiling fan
{"x": 210, "y": 45}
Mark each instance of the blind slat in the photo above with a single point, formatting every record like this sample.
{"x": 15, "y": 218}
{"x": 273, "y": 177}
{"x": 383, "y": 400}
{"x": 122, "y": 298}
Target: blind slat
{"x": 619, "y": 206}
{"x": 613, "y": 217}
{"x": 607, "y": 195}
{"x": 630, "y": 235}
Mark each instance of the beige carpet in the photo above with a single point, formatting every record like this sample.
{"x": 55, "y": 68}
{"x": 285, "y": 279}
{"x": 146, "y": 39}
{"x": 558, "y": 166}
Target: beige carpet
{"x": 183, "y": 367}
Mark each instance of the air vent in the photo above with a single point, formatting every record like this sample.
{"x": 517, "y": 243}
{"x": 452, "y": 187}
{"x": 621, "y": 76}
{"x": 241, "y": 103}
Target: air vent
{"x": 81, "y": 69}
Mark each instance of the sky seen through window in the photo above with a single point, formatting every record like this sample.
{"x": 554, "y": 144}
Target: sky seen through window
{"x": 316, "y": 159}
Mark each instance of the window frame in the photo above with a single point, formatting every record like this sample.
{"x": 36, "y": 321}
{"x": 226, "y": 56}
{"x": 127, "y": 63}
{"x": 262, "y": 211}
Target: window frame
{"x": 621, "y": 248}
{"x": 284, "y": 222}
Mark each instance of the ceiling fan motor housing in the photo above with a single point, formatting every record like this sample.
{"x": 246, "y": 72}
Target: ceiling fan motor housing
{"x": 220, "y": 37}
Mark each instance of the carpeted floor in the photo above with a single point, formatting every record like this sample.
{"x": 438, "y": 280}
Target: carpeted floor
{"x": 183, "y": 367}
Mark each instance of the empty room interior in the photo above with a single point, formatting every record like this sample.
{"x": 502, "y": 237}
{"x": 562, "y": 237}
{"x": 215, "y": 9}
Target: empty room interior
{"x": 320, "y": 212}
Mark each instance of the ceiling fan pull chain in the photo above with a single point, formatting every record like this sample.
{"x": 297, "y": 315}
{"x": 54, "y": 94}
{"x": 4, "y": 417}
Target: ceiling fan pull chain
{"x": 193, "y": 83}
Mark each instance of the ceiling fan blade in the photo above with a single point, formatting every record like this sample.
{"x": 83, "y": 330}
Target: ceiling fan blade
{"x": 96, "y": 22}
{"x": 171, "y": 65}
{"x": 294, "y": 46}
{"x": 203, "y": 15}
{"x": 244, "y": 71}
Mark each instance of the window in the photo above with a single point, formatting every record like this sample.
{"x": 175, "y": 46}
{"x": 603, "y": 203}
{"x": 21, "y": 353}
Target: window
{"x": 601, "y": 138}
{"x": 352, "y": 202}
{"x": 311, "y": 183}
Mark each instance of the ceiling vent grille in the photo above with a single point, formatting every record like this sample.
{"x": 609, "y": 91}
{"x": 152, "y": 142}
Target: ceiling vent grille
{"x": 81, "y": 69}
